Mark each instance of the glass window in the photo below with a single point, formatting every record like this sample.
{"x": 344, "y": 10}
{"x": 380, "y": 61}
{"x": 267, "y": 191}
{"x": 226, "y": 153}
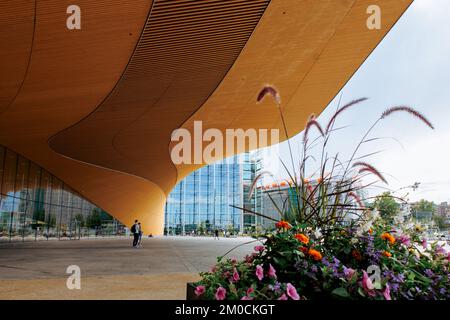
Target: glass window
{"x": 2, "y": 158}
{"x": 9, "y": 173}
{"x": 21, "y": 184}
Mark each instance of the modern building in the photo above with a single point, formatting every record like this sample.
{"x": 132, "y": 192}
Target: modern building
{"x": 36, "y": 205}
{"x": 214, "y": 197}
{"x": 95, "y": 102}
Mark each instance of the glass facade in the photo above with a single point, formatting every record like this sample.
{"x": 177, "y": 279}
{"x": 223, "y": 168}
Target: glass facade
{"x": 204, "y": 200}
{"x": 36, "y": 205}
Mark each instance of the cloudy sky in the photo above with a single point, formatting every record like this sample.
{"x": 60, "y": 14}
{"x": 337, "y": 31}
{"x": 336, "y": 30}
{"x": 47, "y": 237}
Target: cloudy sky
{"x": 411, "y": 66}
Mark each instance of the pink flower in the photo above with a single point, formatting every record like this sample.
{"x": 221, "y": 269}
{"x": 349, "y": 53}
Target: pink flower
{"x": 283, "y": 297}
{"x": 233, "y": 261}
{"x": 404, "y": 239}
{"x": 387, "y": 292}
{"x": 292, "y": 292}
{"x": 349, "y": 272}
{"x": 440, "y": 250}
{"x": 250, "y": 291}
{"x": 272, "y": 273}
{"x": 199, "y": 290}
{"x": 424, "y": 243}
{"x": 249, "y": 258}
{"x": 246, "y": 298}
{"x": 259, "y": 272}
{"x": 259, "y": 248}
{"x": 213, "y": 269}
{"x": 220, "y": 293}
{"x": 367, "y": 284}
{"x": 235, "y": 275}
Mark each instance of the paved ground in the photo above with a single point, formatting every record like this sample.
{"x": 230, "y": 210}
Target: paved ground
{"x": 110, "y": 268}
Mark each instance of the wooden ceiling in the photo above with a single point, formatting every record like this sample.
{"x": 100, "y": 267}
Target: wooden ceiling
{"x": 96, "y": 106}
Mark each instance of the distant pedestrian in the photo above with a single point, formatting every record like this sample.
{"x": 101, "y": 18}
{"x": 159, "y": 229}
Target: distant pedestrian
{"x": 216, "y": 234}
{"x": 140, "y": 236}
{"x": 135, "y": 231}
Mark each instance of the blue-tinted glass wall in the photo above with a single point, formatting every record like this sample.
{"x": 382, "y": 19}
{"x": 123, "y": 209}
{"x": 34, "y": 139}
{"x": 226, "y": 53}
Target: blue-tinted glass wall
{"x": 204, "y": 200}
{"x": 35, "y": 205}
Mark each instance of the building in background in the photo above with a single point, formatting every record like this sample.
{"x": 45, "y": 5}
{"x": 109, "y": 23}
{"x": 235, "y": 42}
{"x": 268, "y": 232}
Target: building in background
{"x": 35, "y": 205}
{"x": 211, "y": 197}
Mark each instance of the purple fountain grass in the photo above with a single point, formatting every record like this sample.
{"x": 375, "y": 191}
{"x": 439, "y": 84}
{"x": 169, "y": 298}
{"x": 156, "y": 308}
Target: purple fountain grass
{"x": 409, "y": 110}
{"x": 269, "y": 90}
{"x": 340, "y": 110}
{"x": 369, "y": 168}
{"x": 310, "y": 123}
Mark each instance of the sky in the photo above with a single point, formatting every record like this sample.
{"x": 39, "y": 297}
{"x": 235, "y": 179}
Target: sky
{"x": 411, "y": 66}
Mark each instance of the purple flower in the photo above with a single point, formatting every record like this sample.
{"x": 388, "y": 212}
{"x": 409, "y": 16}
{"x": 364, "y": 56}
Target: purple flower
{"x": 348, "y": 272}
{"x": 440, "y": 250}
{"x": 292, "y": 292}
{"x": 404, "y": 239}
{"x": 429, "y": 273}
{"x": 259, "y": 272}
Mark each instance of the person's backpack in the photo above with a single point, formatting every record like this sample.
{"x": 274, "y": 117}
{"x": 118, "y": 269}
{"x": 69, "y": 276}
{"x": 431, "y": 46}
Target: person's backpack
{"x": 133, "y": 228}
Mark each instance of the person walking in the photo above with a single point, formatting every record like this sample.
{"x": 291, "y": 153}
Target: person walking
{"x": 216, "y": 234}
{"x": 135, "y": 230}
{"x": 140, "y": 236}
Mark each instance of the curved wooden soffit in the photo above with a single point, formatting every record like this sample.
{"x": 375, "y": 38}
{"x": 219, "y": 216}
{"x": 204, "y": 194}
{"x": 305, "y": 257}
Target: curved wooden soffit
{"x": 107, "y": 98}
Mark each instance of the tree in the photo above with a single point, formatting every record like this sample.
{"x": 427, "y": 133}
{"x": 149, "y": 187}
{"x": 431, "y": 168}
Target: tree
{"x": 94, "y": 219}
{"x": 424, "y": 205}
{"x": 440, "y": 221}
{"x": 80, "y": 218}
{"x": 386, "y": 206}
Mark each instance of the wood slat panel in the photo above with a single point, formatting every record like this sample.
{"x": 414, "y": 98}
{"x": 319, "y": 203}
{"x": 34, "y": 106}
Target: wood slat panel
{"x": 184, "y": 52}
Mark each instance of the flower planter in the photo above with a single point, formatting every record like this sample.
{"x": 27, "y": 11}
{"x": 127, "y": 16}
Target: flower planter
{"x": 190, "y": 292}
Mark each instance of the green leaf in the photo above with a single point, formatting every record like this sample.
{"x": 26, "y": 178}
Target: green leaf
{"x": 361, "y": 292}
{"x": 341, "y": 292}
{"x": 377, "y": 285}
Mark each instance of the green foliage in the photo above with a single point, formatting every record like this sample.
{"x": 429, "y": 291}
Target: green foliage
{"x": 386, "y": 206}
{"x": 94, "y": 219}
{"x": 335, "y": 268}
{"x": 424, "y": 205}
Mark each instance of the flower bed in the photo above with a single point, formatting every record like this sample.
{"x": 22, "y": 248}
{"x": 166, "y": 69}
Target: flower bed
{"x": 328, "y": 243}
{"x": 380, "y": 263}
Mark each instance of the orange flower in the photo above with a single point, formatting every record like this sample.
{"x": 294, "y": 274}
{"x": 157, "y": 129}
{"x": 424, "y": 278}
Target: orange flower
{"x": 370, "y": 231}
{"x": 283, "y": 225}
{"x": 302, "y": 238}
{"x": 315, "y": 254}
{"x": 356, "y": 254}
{"x": 387, "y": 254}
{"x": 388, "y": 237}
{"x": 319, "y": 180}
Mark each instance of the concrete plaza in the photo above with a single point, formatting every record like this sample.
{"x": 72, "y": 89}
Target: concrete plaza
{"x": 110, "y": 268}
